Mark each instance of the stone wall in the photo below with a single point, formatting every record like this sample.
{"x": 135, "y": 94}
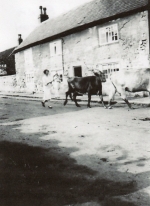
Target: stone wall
{"x": 131, "y": 51}
{"x": 20, "y": 71}
{"x": 31, "y": 63}
{"x": 8, "y": 83}
{"x": 134, "y": 41}
{"x": 83, "y": 49}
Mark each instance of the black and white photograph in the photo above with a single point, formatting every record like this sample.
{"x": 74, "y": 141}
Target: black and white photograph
{"x": 75, "y": 103}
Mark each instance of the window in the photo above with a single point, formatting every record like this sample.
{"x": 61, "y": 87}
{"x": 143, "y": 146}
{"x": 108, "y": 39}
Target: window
{"x": 30, "y": 77}
{"x": 108, "y": 34}
{"x": 109, "y": 68}
{"x": 55, "y": 48}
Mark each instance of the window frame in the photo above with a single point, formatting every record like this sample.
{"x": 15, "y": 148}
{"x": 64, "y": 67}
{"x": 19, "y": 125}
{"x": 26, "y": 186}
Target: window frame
{"x": 110, "y": 67}
{"x": 103, "y": 31}
{"x": 75, "y": 67}
{"x": 30, "y": 77}
{"x": 55, "y": 48}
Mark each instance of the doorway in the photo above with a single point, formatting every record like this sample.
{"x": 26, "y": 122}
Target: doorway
{"x": 78, "y": 71}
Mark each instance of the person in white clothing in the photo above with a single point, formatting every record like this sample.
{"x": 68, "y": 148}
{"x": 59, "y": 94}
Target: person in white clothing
{"x": 47, "y": 81}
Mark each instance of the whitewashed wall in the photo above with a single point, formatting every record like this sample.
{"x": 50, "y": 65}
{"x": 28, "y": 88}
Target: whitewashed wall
{"x": 8, "y": 83}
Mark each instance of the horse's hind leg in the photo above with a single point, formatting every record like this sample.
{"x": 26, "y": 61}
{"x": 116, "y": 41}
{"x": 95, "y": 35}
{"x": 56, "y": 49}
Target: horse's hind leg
{"x": 122, "y": 93}
{"x": 70, "y": 95}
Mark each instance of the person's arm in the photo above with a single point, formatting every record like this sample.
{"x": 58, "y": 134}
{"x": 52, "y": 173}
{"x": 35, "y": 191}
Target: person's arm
{"x": 49, "y": 83}
{"x": 51, "y": 80}
{"x": 46, "y": 81}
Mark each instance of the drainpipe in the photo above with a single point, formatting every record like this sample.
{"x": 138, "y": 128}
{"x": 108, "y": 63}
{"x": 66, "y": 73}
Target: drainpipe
{"x": 149, "y": 27}
{"x": 62, "y": 57}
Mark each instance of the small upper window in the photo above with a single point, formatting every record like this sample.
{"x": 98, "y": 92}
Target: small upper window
{"x": 108, "y": 34}
{"x": 55, "y": 48}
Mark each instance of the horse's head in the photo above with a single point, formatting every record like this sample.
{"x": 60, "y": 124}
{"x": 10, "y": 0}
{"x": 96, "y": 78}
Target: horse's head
{"x": 100, "y": 74}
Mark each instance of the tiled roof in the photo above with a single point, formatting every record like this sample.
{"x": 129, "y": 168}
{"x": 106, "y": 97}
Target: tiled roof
{"x": 90, "y": 12}
{"x": 5, "y": 54}
{"x": 9, "y": 60}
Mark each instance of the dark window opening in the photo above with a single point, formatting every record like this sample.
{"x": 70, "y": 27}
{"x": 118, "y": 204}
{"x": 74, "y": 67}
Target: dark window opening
{"x": 55, "y": 49}
{"x": 78, "y": 71}
{"x": 61, "y": 77}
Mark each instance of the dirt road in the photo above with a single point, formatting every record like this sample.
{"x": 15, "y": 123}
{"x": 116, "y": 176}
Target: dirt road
{"x": 74, "y": 156}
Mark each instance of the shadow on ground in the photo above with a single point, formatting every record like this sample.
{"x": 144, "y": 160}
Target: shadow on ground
{"x": 37, "y": 176}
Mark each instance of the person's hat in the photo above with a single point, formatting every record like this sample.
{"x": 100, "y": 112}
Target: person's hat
{"x": 45, "y": 71}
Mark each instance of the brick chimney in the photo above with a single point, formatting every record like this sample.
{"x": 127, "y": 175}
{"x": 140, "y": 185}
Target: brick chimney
{"x": 43, "y": 16}
{"x": 19, "y": 39}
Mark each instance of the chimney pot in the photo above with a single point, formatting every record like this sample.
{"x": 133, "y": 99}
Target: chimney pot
{"x": 43, "y": 16}
{"x": 44, "y": 10}
{"x": 20, "y": 40}
{"x": 40, "y": 9}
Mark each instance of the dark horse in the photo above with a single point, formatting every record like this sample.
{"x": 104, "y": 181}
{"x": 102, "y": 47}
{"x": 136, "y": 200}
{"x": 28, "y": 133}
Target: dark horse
{"x": 81, "y": 85}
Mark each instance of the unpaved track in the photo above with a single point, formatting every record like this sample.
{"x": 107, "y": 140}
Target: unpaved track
{"x": 74, "y": 156}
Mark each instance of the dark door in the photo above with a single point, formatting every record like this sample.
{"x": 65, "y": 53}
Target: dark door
{"x": 78, "y": 71}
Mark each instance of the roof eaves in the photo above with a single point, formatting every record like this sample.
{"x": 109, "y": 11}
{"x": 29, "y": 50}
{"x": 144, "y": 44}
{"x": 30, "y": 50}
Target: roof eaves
{"x": 82, "y": 27}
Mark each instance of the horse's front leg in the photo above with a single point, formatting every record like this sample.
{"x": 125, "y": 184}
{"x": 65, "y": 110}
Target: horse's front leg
{"x": 101, "y": 98}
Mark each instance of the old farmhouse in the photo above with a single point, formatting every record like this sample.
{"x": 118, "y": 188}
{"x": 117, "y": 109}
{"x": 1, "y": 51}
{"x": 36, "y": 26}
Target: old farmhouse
{"x": 107, "y": 34}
